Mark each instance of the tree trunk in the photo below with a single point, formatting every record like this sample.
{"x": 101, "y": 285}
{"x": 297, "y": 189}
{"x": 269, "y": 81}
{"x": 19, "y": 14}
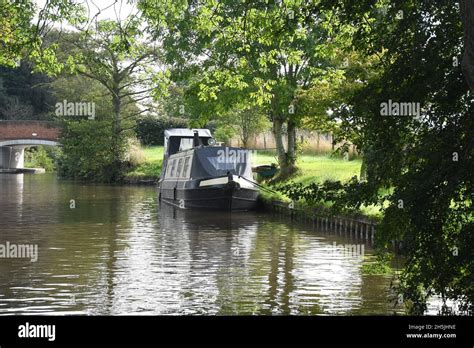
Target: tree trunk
{"x": 278, "y": 134}
{"x": 244, "y": 131}
{"x": 117, "y": 120}
{"x": 467, "y": 15}
{"x": 116, "y": 141}
{"x": 291, "y": 154}
{"x": 317, "y": 144}
{"x": 286, "y": 158}
{"x": 363, "y": 170}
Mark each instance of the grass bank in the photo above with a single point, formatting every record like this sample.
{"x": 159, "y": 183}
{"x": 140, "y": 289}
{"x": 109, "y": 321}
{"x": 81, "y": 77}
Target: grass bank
{"x": 319, "y": 168}
{"x": 149, "y": 171}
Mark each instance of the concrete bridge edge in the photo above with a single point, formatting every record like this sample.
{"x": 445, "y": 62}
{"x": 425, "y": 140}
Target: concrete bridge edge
{"x": 12, "y": 152}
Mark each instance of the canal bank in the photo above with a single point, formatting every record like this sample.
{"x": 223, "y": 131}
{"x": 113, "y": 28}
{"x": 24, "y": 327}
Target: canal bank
{"x": 355, "y": 226}
{"x": 23, "y": 171}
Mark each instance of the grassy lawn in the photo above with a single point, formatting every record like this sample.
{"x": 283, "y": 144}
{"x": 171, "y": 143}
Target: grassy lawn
{"x": 153, "y": 153}
{"x": 317, "y": 167}
{"x": 151, "y": 168}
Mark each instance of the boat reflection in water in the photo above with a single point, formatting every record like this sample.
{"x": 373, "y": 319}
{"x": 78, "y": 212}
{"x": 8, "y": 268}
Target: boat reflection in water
{"x": 208, "y": 234}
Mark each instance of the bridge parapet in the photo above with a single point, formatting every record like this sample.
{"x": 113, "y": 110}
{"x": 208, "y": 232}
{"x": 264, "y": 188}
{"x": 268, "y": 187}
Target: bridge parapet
{"x": 40, "y": 130}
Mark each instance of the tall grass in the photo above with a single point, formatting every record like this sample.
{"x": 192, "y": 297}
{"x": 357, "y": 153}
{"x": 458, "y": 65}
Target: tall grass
{"x": 150, "y": 167}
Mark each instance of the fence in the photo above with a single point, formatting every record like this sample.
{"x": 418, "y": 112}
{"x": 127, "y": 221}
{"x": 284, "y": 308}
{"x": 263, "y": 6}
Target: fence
{"x": 313, "y": 142}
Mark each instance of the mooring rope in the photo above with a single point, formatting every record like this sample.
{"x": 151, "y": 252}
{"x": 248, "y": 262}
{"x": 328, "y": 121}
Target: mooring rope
{"x": 258, "y": 185}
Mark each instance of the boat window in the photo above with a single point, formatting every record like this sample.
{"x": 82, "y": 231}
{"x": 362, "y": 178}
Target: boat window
{"x": 186, "y": 166}
{"x": 175, "y": 165}
{"x": 186, "y": 144}
{"x": 171, "y": 168}
{"x": 168, "y": 168}
{"x": 180, "y": 166}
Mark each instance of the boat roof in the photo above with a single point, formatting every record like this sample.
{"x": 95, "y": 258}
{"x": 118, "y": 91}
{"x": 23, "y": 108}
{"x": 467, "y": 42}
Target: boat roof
{"x": 187, "y": 132}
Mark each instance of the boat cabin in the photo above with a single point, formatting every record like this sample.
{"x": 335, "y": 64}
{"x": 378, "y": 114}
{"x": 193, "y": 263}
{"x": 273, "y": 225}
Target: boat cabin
{"x": 180, "y": 139}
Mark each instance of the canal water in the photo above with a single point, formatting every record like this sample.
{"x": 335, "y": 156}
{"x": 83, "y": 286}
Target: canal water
{"x": 114, "y": 250}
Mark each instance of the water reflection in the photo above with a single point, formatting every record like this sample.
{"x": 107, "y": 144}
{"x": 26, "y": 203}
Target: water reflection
{"x": 120, "y": 252}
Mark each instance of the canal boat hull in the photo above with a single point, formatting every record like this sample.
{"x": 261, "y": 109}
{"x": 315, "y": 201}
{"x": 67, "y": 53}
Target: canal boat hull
{"x": 225, "y": 198}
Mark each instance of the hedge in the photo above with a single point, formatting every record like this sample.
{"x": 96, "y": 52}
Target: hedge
{"x": 151, "y": 130}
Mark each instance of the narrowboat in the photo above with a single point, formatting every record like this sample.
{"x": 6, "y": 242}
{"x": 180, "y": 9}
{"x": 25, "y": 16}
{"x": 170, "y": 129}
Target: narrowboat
{"x": 198, "y": 174}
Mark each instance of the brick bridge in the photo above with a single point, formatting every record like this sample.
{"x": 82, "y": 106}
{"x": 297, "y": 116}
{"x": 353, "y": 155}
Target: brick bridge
{"x": 15, "y": 136}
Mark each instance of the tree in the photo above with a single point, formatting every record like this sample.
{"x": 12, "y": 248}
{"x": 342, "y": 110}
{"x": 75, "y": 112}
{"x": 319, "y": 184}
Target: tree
{"x": 253, "y": 52}
{"x": 15, "y": 30}
{"x": 86, "y": 144}
{"x": 117, "y": 55}
{"x": 27, "y": 92}
{"x": 467, "y": 15}
{"x": 426, "y": 157}
{"x": 13, "y": 109}
{"x": 245, "y": 122}
{"x": 21, "y": 38}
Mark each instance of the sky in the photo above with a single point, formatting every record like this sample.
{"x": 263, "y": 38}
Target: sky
{"x": 103, "y": 9}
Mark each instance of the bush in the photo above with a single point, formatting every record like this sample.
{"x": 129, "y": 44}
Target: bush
{"x": 151, "y": 130}
{"x": 41, "y": 157}
{"x": 90, "y": 151}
